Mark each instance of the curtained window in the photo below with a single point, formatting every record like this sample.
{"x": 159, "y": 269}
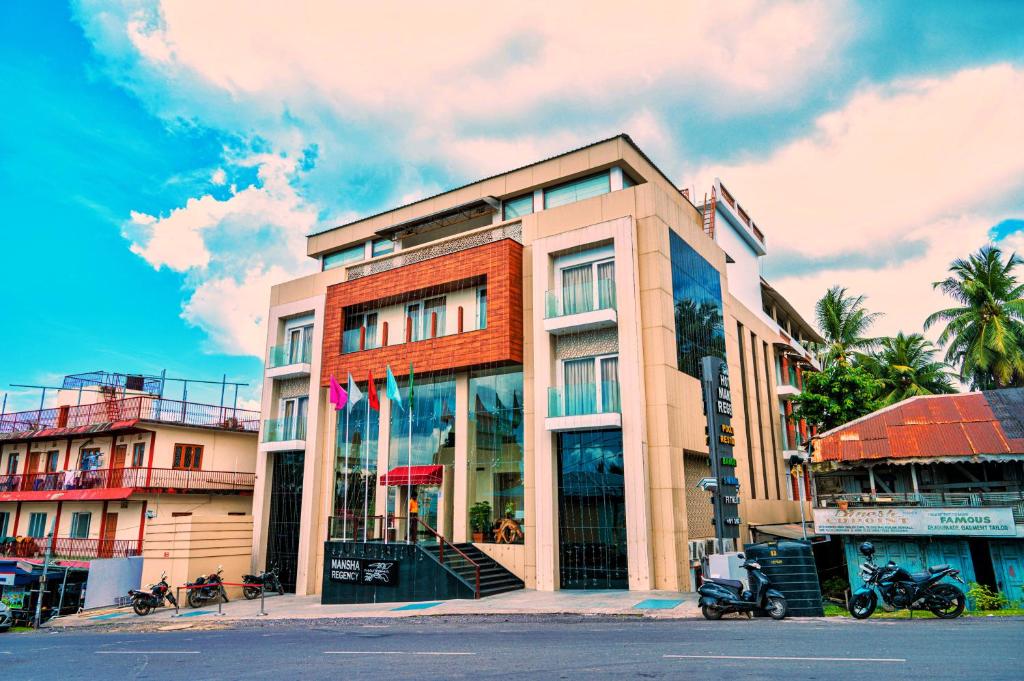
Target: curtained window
{"x": 577, "y": 289}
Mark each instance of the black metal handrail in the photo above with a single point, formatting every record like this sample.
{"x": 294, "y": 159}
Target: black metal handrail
{"x": 442, "y": 542}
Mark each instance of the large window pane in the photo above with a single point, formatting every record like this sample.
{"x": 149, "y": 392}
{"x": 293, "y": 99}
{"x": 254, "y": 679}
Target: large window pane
{"x": 610, "y": 385}
{"x": 577, "y": 289}
{"x": 577, "y": 190}
{"x": 344, "y": 257}
{"x": 697, "y": 296}
{"x": 580, "y": 389}
{"x": 517, "y": 207}
{"x": 355, "y": 470}
{"x": 495, "y": 475}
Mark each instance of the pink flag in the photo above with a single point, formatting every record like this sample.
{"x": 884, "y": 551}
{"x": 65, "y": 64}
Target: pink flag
{"x": 338, "y": 395}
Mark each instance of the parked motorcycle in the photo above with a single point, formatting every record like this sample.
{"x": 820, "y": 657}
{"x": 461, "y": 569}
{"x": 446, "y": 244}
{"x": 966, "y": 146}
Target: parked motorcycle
{"x": 721, "y": 596}
{"x": 144, "y": 602}
{"x": 269, "y": 580}
{"x": 210, "y": 588}
{"x": 901, "y": 589}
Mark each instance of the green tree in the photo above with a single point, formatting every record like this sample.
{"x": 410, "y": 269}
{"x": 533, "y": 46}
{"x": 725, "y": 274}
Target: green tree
{"x": 905, "y": 366}
{"x": 844, "y": 322}
{"x": 838, "y": 394}
{"x": 984, "y": 334}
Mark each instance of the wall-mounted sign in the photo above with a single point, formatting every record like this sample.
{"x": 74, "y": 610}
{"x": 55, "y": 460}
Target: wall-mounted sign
{"x": 6, "y": 579}
{"x": 367, "y": 571}
{"x": 976, "y": 522}
{"x": 718, "y": 409}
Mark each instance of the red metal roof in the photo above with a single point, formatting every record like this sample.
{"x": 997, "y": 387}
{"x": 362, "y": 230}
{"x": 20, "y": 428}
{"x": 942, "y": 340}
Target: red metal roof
{"x": 100, "y": 494}
{"x": 933, "y": 426}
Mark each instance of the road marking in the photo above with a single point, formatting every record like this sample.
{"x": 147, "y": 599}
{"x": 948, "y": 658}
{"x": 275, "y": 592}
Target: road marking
{"x": 387, "y": 652}
{"x": 802, "y": 659}
{"x": 376, "y": 626}
{"x": 147, "y": 652}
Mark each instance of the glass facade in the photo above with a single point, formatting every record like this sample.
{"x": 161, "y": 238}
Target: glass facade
{"x": 697, "y": 301}
{"x": 592, "y": 510}
{"x": 344, "y": 257}
{"x": 355, "y": 471}
{"x": 577, "y": 190}
{"x": 496, "y": 456}
{"x": 517, "y": 207}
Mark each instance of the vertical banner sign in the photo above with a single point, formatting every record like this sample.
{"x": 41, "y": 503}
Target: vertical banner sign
{"x": 721, "y": 440}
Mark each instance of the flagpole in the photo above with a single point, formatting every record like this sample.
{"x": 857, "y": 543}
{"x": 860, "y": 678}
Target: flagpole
{"x": 344, "y": 508}
{"x": 366, "y": 465}
{"x": 408, "y": 468}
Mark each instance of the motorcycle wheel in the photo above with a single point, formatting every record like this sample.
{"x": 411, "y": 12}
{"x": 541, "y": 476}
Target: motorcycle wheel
{"x": 194, "y": 599}
{"x": 776, "y": 607}
{"x": 710, "y": 612}
{"x": 955, "y": 602}
{"x": 141, "y": 608}
{"x": 250, "y": 592}
{"x": 862, "y": 606}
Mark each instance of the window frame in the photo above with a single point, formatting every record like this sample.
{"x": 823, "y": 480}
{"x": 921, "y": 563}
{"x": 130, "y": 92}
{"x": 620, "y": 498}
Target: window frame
{"x": 601, "y": 257}
{"x": 5, "y": 523}
{"x": 85, "y": 453}
{"x": 300, "y": 408}
{"x": 52, "y": 455}
{"x": 32, "y": 518}
{"x": 13, "y": 459}
{"x": 76, "y": 519}
{"x": 139, "y": 448}
{"x": 522, "y": 197}
{"x": 607, "y": 174}
{"x": 481, "y": 308}
{"x": 392, "y": 246}
{"x": 179, "y": 453}
{"x": 356, "y": 253}
{"x": 598, "y": 389}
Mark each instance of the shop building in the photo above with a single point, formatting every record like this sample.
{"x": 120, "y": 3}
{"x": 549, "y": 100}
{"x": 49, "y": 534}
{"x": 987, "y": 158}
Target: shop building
{"x": 553, "y": 318}
{"x": 114, "y": 468}
{"x": 933, "y": 479}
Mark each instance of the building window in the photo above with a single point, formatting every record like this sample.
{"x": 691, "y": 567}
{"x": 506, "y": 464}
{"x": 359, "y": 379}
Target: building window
{"x": 590, "y": 386}
{"x": 344, "y": 257}
{"x": 517, "y": 207}
{"x": 697, "y": 301}
{"x": 496, "y": 453}
{"x": 300, "y": 344}
{"x": 12, "y": 463}
{"x": 412, "y": 315}
{"x": 80, "y": 525}
{"x": 355, "y": 470}
{"x": 37, "y": 525}
{"x": 627, "y": 181}
{"x": 52, "y": 461}
{"x": 481, "y": 309}
{"x": 88, "y": 459}
{"x": 577, "y": 190}
{"x": 382, "y": 247}
{"x": 293, "y": 421}
{"x": 188, "y": 457}
{"x": 5, "y": 519}
{"x": 587, "y": 287}
{"x": 138, "y": 454}
{"x": 432, "y": 307}
{"x": 352, "y": 338}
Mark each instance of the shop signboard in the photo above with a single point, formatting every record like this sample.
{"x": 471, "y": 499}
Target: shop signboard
{"x": 721, "y": 440}
{"x": 902, "y": 522}
{"x": 365, "y": 571}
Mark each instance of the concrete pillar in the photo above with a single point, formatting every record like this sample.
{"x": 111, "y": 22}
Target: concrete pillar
{"x": 460, "y": 504}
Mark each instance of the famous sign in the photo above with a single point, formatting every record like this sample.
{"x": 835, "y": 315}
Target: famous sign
{"x": 721, "y": 440}
{"x": 903, "y": 522}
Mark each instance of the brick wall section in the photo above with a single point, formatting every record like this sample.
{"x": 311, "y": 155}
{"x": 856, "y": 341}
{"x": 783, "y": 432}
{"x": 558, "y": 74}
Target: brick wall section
{"x": 501, "y": 342}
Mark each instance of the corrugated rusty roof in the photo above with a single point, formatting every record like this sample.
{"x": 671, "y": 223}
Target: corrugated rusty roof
{"x": 933, "y": 426}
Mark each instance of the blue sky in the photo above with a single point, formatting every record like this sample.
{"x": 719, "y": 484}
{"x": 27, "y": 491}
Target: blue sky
{"x": 161, "y": 162}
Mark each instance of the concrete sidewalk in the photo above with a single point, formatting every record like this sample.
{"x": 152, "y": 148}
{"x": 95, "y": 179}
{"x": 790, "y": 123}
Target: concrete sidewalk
{"x": 656, "y": 604}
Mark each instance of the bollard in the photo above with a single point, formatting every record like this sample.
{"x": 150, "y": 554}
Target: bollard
{"x": 220, "y": 605}
{"x": 263, "y": 609}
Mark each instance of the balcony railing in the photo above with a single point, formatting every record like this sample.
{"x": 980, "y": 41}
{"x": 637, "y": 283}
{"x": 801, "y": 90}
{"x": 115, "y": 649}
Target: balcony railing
{"x": 138, "y": 478}
{"x": 1014, "y": 500}
{"x": 583, "y": 399}
{"x": 286, "y": 355}
{"x": 571, "y": 300}
{"x": 282, "y": 430}
{"x": 143, "y": 408}
{"x": 71, "y": 548}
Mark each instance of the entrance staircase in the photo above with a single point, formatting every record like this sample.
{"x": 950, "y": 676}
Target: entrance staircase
{"x": 494, "y": 578}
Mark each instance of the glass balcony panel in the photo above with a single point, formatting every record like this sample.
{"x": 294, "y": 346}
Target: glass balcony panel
{"x": 579, "y": 299}
{"x": 610, "y": 402}
{"x": 281, "y": 430}
{"x": 283, "y": 355}
{"x": 575, "y": 400}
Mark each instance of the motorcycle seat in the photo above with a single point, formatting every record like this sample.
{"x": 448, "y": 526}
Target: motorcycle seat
{"x": 731, "y": 583}
{"x": 935, "y": 569}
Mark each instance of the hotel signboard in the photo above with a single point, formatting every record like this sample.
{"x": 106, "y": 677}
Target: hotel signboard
{"x": 721, "y": 440}
{"x": 365, "y": 571}
{"x": 905, "y": 522}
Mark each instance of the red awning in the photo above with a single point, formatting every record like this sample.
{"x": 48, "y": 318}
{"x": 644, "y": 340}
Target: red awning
{"x": 99, "y": 494}
{"x": 413, "y": 475}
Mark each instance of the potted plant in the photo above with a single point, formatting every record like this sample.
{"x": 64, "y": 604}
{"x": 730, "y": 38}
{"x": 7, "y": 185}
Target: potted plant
{"x": 480, "y": 519}
{"x": 510, "y": 509}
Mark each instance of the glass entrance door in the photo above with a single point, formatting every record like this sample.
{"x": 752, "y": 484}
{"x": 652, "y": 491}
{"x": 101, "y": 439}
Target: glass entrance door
{"x": 592, "y": 510}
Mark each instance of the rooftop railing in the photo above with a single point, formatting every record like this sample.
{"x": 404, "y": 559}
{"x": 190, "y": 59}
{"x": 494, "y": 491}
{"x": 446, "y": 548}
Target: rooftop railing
{"x": 143, "y": 408}
{"x": 71, "y": 548}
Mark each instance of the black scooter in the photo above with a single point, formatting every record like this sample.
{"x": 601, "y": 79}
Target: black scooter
{"x": 721, "y": 596}
{"x": 268, "y": 579}
{"x": 144, "y": 602}
{"x": 209, "y": 588}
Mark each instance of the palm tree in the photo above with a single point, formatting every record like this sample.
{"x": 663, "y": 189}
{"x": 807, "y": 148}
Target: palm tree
{"x": 906, "y": 367}
{"x": 843, "y": 322}
{"x": 984, "y": 335}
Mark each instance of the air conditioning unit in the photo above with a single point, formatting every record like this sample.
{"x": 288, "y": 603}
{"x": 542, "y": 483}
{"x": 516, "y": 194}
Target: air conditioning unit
{"x": 710, "y": 546}
{"x": 697, "y": 552}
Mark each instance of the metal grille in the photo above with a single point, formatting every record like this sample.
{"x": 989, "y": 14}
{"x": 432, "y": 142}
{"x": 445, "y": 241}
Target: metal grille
{"x": 699, "y": 511}
{"x": 285, "y": 514}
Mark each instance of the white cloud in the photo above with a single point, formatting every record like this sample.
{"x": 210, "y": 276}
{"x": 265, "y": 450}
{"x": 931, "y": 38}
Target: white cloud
{"x": 232, "y": 251}
{"x": 219, "y": 177}
{"x": 919, "y": 168}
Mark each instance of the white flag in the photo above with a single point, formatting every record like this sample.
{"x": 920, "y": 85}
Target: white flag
{"x": 354, "y": 394}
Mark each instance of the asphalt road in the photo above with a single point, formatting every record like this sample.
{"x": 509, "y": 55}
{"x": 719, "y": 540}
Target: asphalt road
{"x": 540, "y": 648}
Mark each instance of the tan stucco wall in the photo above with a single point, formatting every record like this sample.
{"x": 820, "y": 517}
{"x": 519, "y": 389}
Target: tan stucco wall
{"x": 187, "y": 547}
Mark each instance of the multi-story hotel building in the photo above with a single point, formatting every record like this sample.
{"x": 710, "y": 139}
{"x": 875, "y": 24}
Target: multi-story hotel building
{"x": 115, "y": 468}
{"x": 554, "y": 318}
